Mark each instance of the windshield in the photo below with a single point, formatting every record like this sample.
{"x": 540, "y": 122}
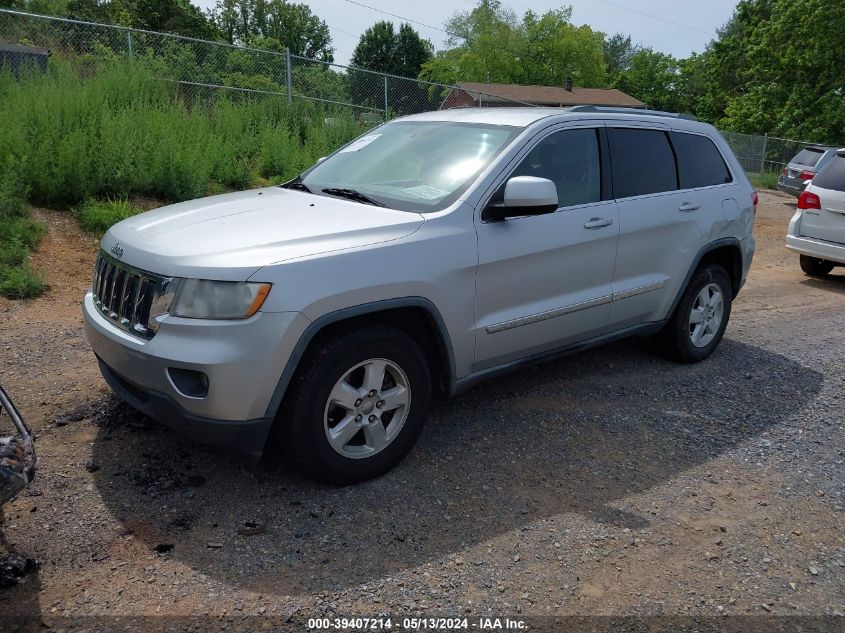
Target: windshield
{"x": 412, "y": 165}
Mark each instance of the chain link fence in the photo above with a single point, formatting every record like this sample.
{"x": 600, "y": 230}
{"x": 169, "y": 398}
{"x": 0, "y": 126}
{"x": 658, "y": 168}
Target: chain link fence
{"x": 763, "y": 154}
{"x": 203, "y": 69}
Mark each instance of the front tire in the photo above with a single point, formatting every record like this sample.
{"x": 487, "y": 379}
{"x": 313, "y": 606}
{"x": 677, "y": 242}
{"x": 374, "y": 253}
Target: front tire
{"x": 815, "y": 267}
{"x": 696, "y": 327}
{"x": 357, "y": 405}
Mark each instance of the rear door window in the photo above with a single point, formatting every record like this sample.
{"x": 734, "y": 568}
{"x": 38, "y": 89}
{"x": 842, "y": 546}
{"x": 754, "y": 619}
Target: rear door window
{"x": 700, "y": 164}
{"x": 832, "y": 176}
{"x": 642, "y": 162}
{"x": 808, "y": 156}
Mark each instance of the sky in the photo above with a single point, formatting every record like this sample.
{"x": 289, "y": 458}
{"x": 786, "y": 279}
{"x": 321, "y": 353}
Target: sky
{"x": 678, "y": 27}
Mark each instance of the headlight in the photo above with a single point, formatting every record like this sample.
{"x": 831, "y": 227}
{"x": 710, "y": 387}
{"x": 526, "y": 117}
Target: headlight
{"x": 203, "y": 299}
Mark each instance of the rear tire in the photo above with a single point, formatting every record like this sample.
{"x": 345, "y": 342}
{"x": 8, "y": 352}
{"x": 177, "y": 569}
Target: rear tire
{"x": 357, "y": 405}
{"x": 696, "y": 327}
{"x": 815, "y": 267}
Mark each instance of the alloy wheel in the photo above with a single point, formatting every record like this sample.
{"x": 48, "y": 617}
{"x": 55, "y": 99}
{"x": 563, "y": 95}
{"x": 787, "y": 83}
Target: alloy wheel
{"x": 706, "y": 315}
{"x": 367, "y": 408}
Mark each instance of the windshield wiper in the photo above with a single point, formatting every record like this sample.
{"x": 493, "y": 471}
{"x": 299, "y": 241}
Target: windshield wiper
{"x": 297, "y": 184}
{"x": 352, "y": 194}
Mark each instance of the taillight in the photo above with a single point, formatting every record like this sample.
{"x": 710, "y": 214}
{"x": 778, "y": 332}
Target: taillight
{"x": 785, "y": 171}
{"x": 806, "y": 175}
{"x": 808, "y": 200}
{"x": 754, "y": 199}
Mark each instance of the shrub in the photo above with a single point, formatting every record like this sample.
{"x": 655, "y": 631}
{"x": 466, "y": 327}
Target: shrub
{"x": 114, "y": 131}
{"x": 94, "y": 129}
{"x": 19, "y": 233}
{"x": 21, "y": 282}
{"x": 96, "y": 216}
{"x": 765, "y": 180}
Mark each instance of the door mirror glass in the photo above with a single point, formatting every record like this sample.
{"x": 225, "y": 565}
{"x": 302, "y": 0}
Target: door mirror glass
{"x": 524, "y": 195}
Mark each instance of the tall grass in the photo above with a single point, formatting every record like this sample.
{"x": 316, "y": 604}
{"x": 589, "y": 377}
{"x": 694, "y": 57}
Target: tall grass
{"x": 764, "y": 180}
{"x": 96, "y": 216}
{"x": 19, "y": 234}
{"x": 118, "y": 132}
{"x": 109, "y": 131}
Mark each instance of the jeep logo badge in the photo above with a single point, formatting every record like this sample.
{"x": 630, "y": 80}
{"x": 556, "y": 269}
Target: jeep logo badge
{"x": 117, "y": 250}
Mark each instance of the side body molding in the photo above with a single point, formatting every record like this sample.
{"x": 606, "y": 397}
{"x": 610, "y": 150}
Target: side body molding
{"x": 356, "y": 311}
{"x": 643, "y": 329}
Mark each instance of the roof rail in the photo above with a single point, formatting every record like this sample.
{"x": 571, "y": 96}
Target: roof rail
{"x": 620, "y": 110}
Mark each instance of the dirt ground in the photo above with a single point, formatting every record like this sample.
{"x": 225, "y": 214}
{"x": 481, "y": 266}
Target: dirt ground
{"x": 608, "y": 483}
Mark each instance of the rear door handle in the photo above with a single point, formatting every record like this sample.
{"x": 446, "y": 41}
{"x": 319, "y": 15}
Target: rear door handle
{"x": 597, "y": 223}
{"x": 689, "y": 206}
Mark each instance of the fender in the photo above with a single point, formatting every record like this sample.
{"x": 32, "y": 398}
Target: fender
{"x": 707, "y": 248}
{"x": 342, "y": 314}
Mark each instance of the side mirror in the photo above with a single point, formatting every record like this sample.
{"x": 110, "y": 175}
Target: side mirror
{"x": 524, "y": 195}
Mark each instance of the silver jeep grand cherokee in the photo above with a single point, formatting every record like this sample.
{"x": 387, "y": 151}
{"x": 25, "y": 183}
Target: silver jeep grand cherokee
{"x": 432, "y": 252}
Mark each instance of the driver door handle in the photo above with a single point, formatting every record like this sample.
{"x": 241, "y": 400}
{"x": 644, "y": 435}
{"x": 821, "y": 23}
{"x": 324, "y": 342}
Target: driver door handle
{"x": 597, "y": 223}
{"x": 689, "y": 206}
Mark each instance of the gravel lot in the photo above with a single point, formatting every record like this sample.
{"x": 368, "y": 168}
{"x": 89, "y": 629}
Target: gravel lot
{"x": 612, "y": 482}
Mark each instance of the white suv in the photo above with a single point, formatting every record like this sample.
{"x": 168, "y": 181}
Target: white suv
{"x": 432, "y": 252}
{"x": 817, "y": 230}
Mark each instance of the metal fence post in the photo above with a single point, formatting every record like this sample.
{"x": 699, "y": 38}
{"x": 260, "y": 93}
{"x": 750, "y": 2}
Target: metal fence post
{"x": 129, "y": 42}
{"x": 385, "y": 97}
{"x": 289, "y": 75}
{"x": 763, "y": 154}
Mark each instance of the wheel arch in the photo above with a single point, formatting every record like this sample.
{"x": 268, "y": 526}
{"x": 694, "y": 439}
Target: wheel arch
{"x": 726, "y": 252}
{"x": 417, "y": 316}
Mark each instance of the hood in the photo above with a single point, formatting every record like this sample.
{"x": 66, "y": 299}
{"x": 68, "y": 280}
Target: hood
{"x": 238, "y": 233}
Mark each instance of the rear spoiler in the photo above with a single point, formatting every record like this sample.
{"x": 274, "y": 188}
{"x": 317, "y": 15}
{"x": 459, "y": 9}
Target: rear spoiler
{"x": 17, "y": 453}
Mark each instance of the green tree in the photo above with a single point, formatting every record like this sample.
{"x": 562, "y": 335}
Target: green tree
{"x": 489, "y": 43}
{"x": 275, "y": 24}
{"x": 412, "y": 52}
{"x": 618, "y": 50}
{"x": 376, "y": 49}
{"x": 403, "y": 53}
{"x": 777, "y": 67}
{"x": 482, "y": 47}
{"x": 556, "y": 49}
{"x": 168, "y": 16}
{"x": 171, "y": 16}
{"x": 690, "y": 84}
{"x": 383, "y": 49}
{"x": 652, "y": 78}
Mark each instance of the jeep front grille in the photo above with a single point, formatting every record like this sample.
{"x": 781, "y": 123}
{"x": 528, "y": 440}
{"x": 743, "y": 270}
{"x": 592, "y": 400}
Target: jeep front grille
{"x": 124, "y": 294}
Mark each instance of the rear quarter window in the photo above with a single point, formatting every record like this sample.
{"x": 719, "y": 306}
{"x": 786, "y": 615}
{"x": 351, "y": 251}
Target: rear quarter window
{"x": 642, "y": 162}
{"x": 832, "y": 176}
{"x": 700, "y": 164}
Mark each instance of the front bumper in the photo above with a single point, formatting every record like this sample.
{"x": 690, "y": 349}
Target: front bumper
{"x": 820, "y": 249}
{"x": 242, "y": 361}
{"x": 241, "y": 437}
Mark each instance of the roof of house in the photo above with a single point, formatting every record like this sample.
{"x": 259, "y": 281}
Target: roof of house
{"x": 8, "y": 47}
{"x": 554, "y": 95}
